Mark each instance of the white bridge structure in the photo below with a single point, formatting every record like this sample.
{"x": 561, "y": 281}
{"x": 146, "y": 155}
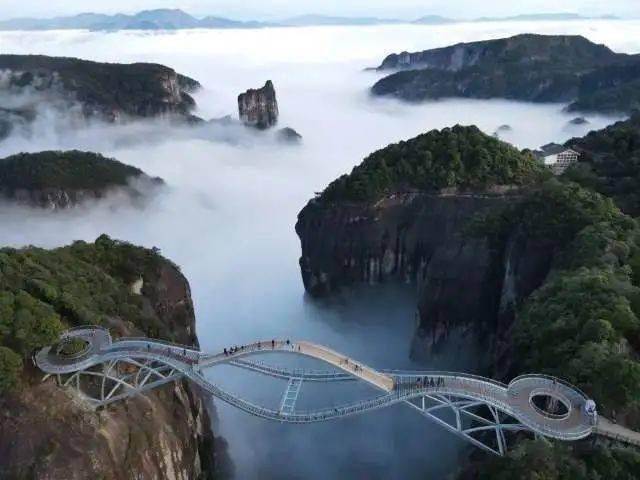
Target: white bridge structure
{"x": 480, "y": 410}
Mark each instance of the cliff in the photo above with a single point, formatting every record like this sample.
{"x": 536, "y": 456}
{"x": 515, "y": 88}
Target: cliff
{"x": 465, "y": 284}
{"x": 109, "y": 92}
{"x": 536, "y": 68}
{"x": 48, "y": 433}
{"x": 259, "y": 107}
{"x": 403, "y": 216}
{"x": 57, "y": 180}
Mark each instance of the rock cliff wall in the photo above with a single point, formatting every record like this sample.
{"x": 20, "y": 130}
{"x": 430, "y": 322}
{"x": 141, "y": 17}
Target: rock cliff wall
{"x": 48, "y": 433}
{"x": 464, "y": 283}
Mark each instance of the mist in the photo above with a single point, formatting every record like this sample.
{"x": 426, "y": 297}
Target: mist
{"x": 228, "y": 212}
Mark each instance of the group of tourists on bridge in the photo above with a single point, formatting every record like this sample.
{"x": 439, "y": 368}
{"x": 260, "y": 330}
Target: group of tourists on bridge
{"x": 235, "y": 349}
{"x": 422, "y": 382}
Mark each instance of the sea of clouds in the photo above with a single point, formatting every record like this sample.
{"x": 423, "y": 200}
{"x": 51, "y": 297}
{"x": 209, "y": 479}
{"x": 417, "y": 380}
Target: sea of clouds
{"x": 228, "y": 213}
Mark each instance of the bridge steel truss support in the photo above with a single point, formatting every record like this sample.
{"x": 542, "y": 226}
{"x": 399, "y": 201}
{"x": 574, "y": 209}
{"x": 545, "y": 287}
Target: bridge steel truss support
{"x": 476, "y": 421}
{"x": 290, "y": 396}
{"x": 118, "y": 379}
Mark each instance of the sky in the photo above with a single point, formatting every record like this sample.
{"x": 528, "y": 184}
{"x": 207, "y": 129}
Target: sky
{"x": 273, "y": 9}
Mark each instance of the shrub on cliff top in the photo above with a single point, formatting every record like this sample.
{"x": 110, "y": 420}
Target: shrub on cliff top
{"x": 460, "y": 156}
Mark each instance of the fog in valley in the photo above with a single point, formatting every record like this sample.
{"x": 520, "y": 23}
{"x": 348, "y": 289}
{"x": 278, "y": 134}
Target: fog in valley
{"x": 227, "y": 215}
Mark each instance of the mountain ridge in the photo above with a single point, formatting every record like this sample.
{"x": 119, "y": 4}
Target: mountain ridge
{"x": 177, "y": 19}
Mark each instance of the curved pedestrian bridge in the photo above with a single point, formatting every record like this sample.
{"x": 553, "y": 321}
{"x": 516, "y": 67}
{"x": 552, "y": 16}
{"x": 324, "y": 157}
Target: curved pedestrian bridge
{"x": 481, "y": 410}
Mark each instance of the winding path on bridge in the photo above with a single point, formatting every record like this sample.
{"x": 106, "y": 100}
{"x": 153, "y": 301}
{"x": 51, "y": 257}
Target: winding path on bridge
{"x": 151, "y": 363}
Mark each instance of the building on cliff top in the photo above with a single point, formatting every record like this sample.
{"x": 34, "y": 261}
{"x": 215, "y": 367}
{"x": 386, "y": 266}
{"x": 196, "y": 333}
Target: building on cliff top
{"x": 557, "y": 157}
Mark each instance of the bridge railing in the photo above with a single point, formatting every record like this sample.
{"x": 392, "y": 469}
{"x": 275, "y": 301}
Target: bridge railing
{"x": 162, "y": 342}
{"x": 290, "y": 372}
{"x": 553, "y": 379}
{"x": 87, "y": 327}
{"x": 144, "y": 348}
{"x": 445, "y": 373}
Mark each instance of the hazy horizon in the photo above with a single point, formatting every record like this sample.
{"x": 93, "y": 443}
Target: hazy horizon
{"x": 281, "y": 9}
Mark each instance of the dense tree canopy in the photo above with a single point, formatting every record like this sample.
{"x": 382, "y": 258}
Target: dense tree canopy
{"x": 582, "y": 325}
{"x": 70, "y": 170}
{"x": 44, "y": 291}
{"x": 10, "y": 369}
{"x": 452, "y": 157}
{"x": 610, "y": 163}
{"x": 539, "y": 460}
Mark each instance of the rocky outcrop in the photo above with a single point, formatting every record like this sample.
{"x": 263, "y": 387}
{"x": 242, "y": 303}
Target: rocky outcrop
{"x": 578, "y": 121}
{"x": 136, "y": 193}
{"x": 259, "y": 107}
{"x": 289, "y": 135}
{"x": 537, "y": 68}
{"x": 47, "y": 432}
{"x": 109, "y": 92}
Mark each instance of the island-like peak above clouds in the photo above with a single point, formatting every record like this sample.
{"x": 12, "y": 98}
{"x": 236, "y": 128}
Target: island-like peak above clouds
{"x": 110, "y": 92}
{"x": 56, "y": 179}
{"x": 537, "y": 68}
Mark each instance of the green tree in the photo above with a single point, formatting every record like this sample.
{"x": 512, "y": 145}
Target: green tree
{"x": 10, "y": 369}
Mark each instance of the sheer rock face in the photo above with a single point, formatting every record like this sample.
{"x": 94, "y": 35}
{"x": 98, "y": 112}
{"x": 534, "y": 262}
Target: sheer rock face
{"x": 137, "y": 192}
{"x": 48, "y": 433}
{"x": 259, "y": 108}
{"x": 463, "y": 284}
